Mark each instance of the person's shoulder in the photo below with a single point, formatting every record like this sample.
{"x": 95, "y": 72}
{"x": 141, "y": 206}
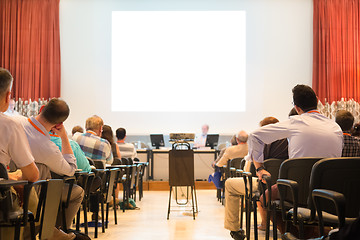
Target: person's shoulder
{"x": 13, "y": 123}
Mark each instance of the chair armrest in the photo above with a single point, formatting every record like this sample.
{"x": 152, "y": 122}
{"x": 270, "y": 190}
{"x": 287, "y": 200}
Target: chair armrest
{"x": 267, "y": 202}
{"x": 239, "y": 172}
{"x": 338, "y": 199}
{"x": 293, "y": 186}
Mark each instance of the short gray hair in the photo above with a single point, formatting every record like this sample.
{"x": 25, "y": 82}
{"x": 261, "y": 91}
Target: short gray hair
{"x": 5, "y": 81}
{"x": 242, "y": 136}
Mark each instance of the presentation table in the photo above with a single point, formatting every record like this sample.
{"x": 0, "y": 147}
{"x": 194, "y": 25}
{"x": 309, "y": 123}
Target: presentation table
{"x": 158, "y": 159}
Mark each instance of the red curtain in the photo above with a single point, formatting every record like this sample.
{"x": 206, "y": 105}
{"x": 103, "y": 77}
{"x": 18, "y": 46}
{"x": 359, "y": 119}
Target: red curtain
{"x": 30, "y": 46}
{"x": 336, "y": 46}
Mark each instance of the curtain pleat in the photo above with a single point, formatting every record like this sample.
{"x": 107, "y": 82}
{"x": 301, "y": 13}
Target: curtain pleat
{"x": 336, "y": 50}
{"x": 30, "y": 46}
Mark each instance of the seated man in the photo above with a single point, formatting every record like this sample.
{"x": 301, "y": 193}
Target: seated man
{"x": 13, "y": 144}
{"x": 200, "y": 140}
{"x": 235, "y": 187}
{"x": 303, "y": 132}
{"x": 351, "y": 144}
{"x": 47, "y": 155}
{"x": 92, "y": 144}
{"x": 127, "y": 150}
{"x": 233, "y": 142}
{"x": 238, "y": 151}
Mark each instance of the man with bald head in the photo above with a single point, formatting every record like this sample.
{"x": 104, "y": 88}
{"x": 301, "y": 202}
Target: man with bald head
{"x": 200, "y": 140}
{"x": 238, "y": 151}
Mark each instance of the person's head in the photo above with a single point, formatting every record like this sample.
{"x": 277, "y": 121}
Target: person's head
{"x": 205, "y": 129}
{"x": 241, "y": 137}
{"x": 345, "y": 120}
{"x": 6, "y": 81}
{"x": 95, "y": 124}
{"x": 268, "y": 120}
{"x": 120, "y": 133}
{"x": 107, "y": 134}
{"x": 355, "y": 131}
{"x": 233, "y": 140}
{"x": 56, "y": 111}
{"x": 304, "y": 98}
{"x": 77, "y": 129}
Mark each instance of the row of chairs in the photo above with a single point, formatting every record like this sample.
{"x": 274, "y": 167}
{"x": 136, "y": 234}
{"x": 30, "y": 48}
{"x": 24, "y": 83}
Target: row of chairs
{"x": 49, "y": 192}
{"x": 313, "y": 191}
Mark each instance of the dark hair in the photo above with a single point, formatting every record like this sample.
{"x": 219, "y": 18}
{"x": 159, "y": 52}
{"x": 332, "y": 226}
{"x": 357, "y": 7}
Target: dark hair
{"x": 355, "y": 131}
{"x": 107, "y": 134}
{"x": 120, "y": 133}
{"x": 233, "y": 140}
{"x": 5, "y": 81}
{"x": 304, "y": 97}
{"x": 268, "y": 120}
{"x": 55, "y": 111}
{"x": 77, "y": 129}
{"x": 345, "y": 120}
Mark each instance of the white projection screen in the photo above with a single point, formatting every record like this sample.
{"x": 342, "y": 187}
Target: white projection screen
{"x": 178, "y": 61}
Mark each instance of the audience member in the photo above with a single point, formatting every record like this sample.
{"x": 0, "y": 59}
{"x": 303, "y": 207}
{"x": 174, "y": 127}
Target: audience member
{"x": 303, "y": 132}
{"x": 107, "y": 134}
{"x": 47, "y": 155}
{"x": 351, "y": 144}
{"x": 355, "y": 131}
{"x": 127, "y": 150}
{"x": 14, "y": 145}
{"x": 91, "y": 143}
{"x": 81, "y": 160}
{"x": 11, "y": 109}
{"x": 233, "y": 142}
{"x": 238, "y": 151}
{"x": 200, "y": 140}
{"x": 235, "y": 187}
{"x": 76, "y": 129}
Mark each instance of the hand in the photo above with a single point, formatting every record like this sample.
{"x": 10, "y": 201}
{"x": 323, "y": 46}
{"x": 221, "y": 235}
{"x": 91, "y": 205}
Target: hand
{"x": 59, "y": 129}
{"x": 261, "y": 173}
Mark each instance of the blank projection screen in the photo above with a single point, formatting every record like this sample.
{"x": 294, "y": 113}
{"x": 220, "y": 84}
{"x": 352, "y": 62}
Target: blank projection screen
{"x": 178, "y": 61}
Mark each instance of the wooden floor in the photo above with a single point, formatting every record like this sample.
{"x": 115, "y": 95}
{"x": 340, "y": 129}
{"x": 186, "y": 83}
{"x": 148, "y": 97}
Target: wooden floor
{"x": 149, "y": 222}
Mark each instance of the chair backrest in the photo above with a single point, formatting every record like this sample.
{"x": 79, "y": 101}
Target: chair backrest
{"x": 341, "y": 175}
{"x": 99, "y": 164}
{"x": 299, "y": 170}
{"x": 3, "y": 172}
{"x": 117, "y": 161}
{"x": 111, "y": 175}
{"x": 272, "y": 165}
{"x": 130, "y": 161}
{"x": 235, "y": 162}
{"x": 48, "y": 206}
{"x": 124, "y": 161}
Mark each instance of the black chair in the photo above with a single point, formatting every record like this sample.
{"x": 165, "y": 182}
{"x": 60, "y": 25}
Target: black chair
{"x": 272, "y": 166}
{"x": 84, "y": 180}
{"x": 293, "y": 185}
{"x": 337, "y": 181}
{"x": 233, "y": 165}
{"x": 109, "y": 192}
{"x": 143, "y": 166}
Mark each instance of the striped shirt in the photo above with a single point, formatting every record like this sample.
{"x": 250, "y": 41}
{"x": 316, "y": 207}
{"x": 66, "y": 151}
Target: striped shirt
{"x": 94, "y": 146}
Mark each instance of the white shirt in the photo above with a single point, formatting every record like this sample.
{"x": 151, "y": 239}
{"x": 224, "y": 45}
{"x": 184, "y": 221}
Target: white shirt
{"x": 45, "y": 151}
{"x": 200, "y": 140}
{"x": 13, "y": 143}
{"x": 309, "y": 134}
{"x": 127, "y": 150}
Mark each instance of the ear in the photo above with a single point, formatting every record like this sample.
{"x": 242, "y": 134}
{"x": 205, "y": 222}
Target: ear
{"x": 7, "y": 97}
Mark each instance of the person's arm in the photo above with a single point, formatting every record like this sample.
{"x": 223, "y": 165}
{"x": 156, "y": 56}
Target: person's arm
{"x": 61, "y": 132}
{"x": 30, "y": 172}
{"x": 223, "y": 160}
{"x": 118, "y": 151}
{"x": 266, "y": 135}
